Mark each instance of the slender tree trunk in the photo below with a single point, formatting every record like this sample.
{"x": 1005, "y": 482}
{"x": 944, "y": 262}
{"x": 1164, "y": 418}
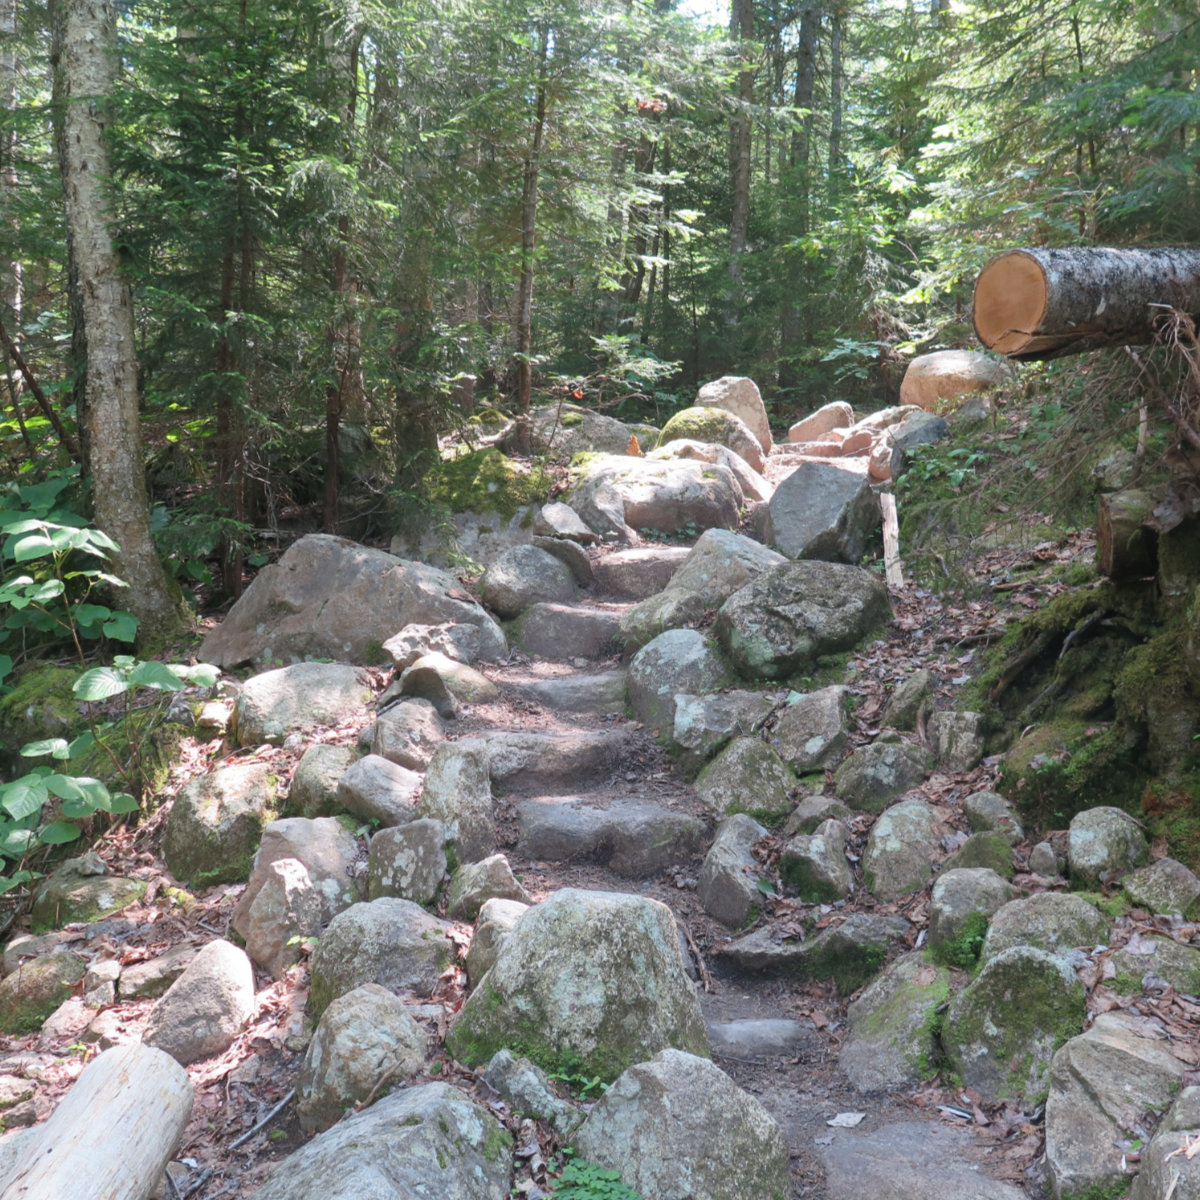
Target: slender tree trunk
{"x": 742, "y": 27}
{"x": 85, "y": 63}
{"x": 835, "y": 104}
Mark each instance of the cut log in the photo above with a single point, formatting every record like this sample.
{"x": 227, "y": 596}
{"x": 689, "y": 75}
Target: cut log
{"x": 112, "y": 1135}
{"x": 1037, "y": 304}
{"x": 1125, "y": 545}
{"x": 892, "y": 566}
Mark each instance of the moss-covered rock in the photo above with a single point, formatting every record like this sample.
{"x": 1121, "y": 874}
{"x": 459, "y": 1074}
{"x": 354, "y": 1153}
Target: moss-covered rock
{"x": 706, "y": 424}
{"x": 82, "y": 890}
{"x": 31, "y": 993}
{"x": 747, "y": 777}
{"x": 39, "y": 705}
{"x": 991, "y": 851}
{"x": 488, "y": 481}
{"x": 1052, "y": 921}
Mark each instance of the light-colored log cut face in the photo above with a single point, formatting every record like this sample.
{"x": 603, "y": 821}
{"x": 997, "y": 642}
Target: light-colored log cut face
{"x": 1010, "y": 301}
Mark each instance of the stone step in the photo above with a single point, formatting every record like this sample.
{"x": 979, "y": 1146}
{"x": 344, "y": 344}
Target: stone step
{"x": 598, "y": 692}
{"x": 564, "y": 632}
{"x": 637, "y": 574}
{"x": 529, "y": 763}
{"x": 634, "y": 838}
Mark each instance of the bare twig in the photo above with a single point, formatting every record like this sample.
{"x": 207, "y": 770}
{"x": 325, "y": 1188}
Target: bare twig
{"x": 701, "y": 966}
{"x": 265, "y": 1121}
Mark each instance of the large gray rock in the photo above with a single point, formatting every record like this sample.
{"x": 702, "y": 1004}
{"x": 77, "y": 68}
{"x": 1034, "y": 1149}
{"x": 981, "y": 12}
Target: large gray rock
{"x": 1052, "y": 921}
{"x": 445, "y": 683}
{"x": 639, "y": 573}
{"x": 678, "y": 1128}
{"x": 330, "y": 598}
{"x": 989, "y": 812}
{"x": 287, "y": 908}
{"x": 675, "y": 662}
{"x": 874, "y": 775}
{"x": 596, "y": 692}
{"x": 496, "y": 920}
{"x": 590, "y": 980}
{"x": 960, "y": 906}
{"x": 891, "y": 1042}
{"x": 560, "y": 520}
{"x": 783, "y": 621}
{"x": 664, "y": 495}
{"x": 458, "y": 792}
{"x": 815, "y": 864}
{"x": 703, "y": 724}
{"x": 747, "y": 776}
{"x": 1001, "y": 1031}
{"x": 313, "y": 791}
{"x": 1165, "y": 886}
{"x": 216, "y": 823}
{"x": 375, "y": 789}
{"x": 705, "y": 423}
{"x": 906, "y": 703}
{"x": 901, "y": 850}
{"x": 811, "y": 731}
{"x": 570, "y": 429}
{"x": 728, "y": 885}
{"x": 387, "y": 941}
{"x": 945, "y": 374}
{"x": 523, "y": 576}
{"x": 476, "y": 883}
{"x": 420, "y": 1141}
{"x": 362, "y": 1037}
{"x": 1167, "y": 1172}
{"x": 30, "y": 994}
{"x": 525, "y": 1086}
{"x": 299, "y": 698}
{"x": 564, "y": 632}
{"x": 82, "y": 890}
{"x": 539, "y": 763}
{"x": 957, "y": 739}
{"x": 408, "y": 733}
{"x": 408, "y": 861}
{"x": 919, "y": 429}
{"x": 754, "y": 485}
{"x": 1151, "y": 962}
{"x": 824, "y": 509}
{"x": 1103, "y": 845}
{"x": 1102, "y": 1083}
{"x": 740, "y": 396}
{"x": 204, "y": 1010}
{"x": 455, "y": 639}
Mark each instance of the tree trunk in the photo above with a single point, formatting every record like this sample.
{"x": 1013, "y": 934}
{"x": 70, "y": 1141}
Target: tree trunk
{"x": 1039, "y": 304}
{"x": 739, "y": 221}
{"x": 113, "y": 1133}
{"x": 85, "y": 35}
{"x": 1125, "y": 542}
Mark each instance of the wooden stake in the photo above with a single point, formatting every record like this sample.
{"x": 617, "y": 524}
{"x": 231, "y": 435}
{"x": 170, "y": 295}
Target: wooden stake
{"x": 892, "y": 566}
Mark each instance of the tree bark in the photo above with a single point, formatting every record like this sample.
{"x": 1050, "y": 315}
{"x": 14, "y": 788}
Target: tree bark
{"x": 1034, "y": 305}
{"x": 739, "y": 221}
{"x": 85, "y": 36}
{"x": 112, "y": 1135}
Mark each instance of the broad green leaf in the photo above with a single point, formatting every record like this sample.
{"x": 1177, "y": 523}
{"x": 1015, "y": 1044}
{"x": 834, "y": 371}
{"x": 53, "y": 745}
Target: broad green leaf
{"x": 81, "y": 745}
{"x": 204, "y": 674}
{"x": 76, "y": 810}
{"x": 121, "y": 626}
{"x": 63, "y": 786}
{"x": 28, "y": 525}
{"x": 8, "y": 882}
{"x": 33, "y": 545}
{"x": 90, "y": 614}
{"x": 23, "y": 797}
{"x": 6, "y": 666}
{"x": 153, "y": 674}
{"x": 99, "y": 684}
{"x": 15, "y": 840}
{"x": 58, "y": 833}
{"x": 57, "y": 747}
{"x": 121, "y": 802}
{"x": 51, "y": 589}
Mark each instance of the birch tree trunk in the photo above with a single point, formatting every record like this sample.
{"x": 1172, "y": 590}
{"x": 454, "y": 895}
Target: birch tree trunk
{"x": 1038, "y": 304}
{"x": 84, "y": 64}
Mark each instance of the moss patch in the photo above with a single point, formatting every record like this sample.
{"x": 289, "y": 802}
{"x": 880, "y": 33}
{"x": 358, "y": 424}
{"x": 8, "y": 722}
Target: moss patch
{"x": 488, "y": 481}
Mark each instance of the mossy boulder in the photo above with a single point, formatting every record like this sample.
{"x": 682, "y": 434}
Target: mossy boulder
{"x": 587, "y": 982}
{"x": 747, "y": 777}
{"x": 1162, "y": 957}
{"x": 29, "y": 995}
{"x": 488, "y": 481}
{"x": 40, "y": 705}
{"x": 960, "y": 906}
{"x": 703, "y": 423}
{"x": 1104, "y": 845}
{"x": 216, "y": 823}
{"x": 1052, "y": 921}
{"x": 678, "y": 662}
{"x": 873, "y": 776}
{"x": 992, "y": 851}
{"x": 1165, "y": 886}
{"x": 893, "y": 1026}
{"x": 815, "y": 864}
{"x": 82, "y": 890}
{"x": 1002, "y": 1030}
{"x": 901, "y": 850}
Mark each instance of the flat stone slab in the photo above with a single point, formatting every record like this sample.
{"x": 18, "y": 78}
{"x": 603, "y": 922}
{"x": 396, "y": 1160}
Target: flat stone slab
{"x": 638, "y": 574}
{"x": 911, "y": 1160}
{"x": 545, "y": 762}
{"x": 561, "y": 632}
{"x": 763, "y": 1038}
{"x": 598, "y": 692}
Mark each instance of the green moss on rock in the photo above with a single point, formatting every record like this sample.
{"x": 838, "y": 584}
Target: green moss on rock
{"x": 488, "y": 481}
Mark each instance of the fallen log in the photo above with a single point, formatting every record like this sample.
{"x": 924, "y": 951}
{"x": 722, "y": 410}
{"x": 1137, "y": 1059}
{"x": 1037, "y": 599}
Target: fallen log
{"x": 1125, "y": 542}
{"x": 1033, "y": 305}
{"x": 113, "y": 1133}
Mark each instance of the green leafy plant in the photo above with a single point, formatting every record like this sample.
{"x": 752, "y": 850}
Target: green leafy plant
{"x": 582, "y": 1180}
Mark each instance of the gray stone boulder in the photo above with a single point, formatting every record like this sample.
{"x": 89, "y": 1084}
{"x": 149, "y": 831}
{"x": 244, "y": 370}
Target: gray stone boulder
{"x": 82, "y": 890}
{"x": 564, "y": 632}
{"x": 1103, "y": 845}
{"x": 375, "y": 789}
{"x": 216, "y": 823}
{"x": 31, "y": 993}
{"x": 1001, "y": 1031}
{"x": 538, "y": 763}
{"x": 812, "y": 811}
{"x": 330, "y": 598}
{"x": 496, "y": 920}
{"x": 728, "y": 885}
{"x": 739, "y": 395}
{"x": 918, "y": 429}
{"x": 522, "y": 576}
{"x": 663, "y": 495}
{"x": 455, "y": 639}
{"x": 678, "y": 1128}
{"x": 1154, "y": 962}
{"x": 152, "y": 977}
{"x": 824, "y": 509}
{"x": 408, "y": 861}
{"x": 957, "y": 739}
{"x": 1165, "y": 886}
{"x": 835, "y": 415}
{"x": 1102, "y": 1084}
{"x": 458, "y": 792}
{"x": 573, "y": 556}
{"x": 204, "y": 1010}
{"x": 597, "y": 692}
{"x": 299, "y": 698}
{"x": 754, "y": 485}
{"x": 313, "y": 790}
{"x": 946, "y": 374}
{"x": 1052, "y": 921}
{"x": 1045, "y": 860}
{"x": 387, "y": 941}
{"x": 703, "y": 724}
{"x": 901, "y": 850}
{"x": 287, "y": 907}
{"x": 445, "y": 683}
{"x": 327, "y": 850}
{"x": 782, "y": 622}
{"x": 569, "y": 429}
{"x": 475, "y": 883}
{"x": 675, "y": 662}
{"x": 1166, "y": 1171}
{"x": 815, "y": 864}
{"x": 408, "y": 733}
{"x": 527, "y": 1089}
{"x": 989, "y": 812}
{"x": 960, "y": 907}
{"x": 639, "y": 573}
{"x": 429, "y": 1140}
{"x": 905, "y": 704}
{"x": 891, "y": 1041}
{"x": 560, "y": 520}
{"x": 704, "y": 423}
{"x": 990, "y": 850}
{"x": 812, "y": 729}
{"x": 873, "y": 776}
{"x": 362, "y": 1037}
{"x": 747, "y": 776}
{"x": 593, "y": 980}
